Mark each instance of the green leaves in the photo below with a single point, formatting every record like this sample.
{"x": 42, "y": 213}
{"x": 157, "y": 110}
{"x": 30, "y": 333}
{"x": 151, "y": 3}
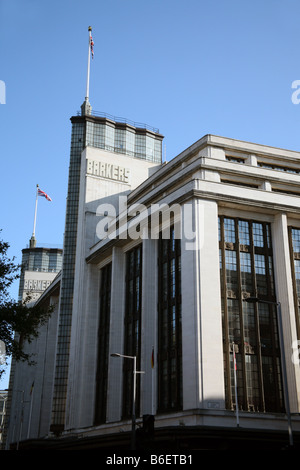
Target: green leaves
{"x": 19, "y": 323}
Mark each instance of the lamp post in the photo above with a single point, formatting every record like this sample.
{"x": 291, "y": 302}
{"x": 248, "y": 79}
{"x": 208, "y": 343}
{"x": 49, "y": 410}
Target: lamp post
{"x": 283, "y": 363}
{"x": 133, "y": 433}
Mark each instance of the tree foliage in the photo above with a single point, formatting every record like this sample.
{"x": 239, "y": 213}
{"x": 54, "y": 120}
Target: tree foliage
{"x": 19, "y": 321}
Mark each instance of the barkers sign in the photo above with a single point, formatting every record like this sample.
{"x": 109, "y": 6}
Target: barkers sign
{"x": 38, "y": 285}
{"x": 108, "y": 170}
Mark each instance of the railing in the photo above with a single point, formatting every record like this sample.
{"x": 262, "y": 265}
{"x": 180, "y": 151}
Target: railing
{"x": 56, "y": 246}
{"x": 123, "y": 121}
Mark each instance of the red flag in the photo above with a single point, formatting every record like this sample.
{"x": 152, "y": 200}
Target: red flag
{"x": 234, "y": 358}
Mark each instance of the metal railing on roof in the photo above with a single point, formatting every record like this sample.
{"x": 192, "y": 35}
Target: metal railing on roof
{"x": 139, "y": 125}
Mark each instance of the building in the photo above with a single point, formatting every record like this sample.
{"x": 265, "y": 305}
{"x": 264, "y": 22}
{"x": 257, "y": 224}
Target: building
{"x": 40, "y": 267}
{"x": 159, "y": 260}
{"x": 3, "y": 400}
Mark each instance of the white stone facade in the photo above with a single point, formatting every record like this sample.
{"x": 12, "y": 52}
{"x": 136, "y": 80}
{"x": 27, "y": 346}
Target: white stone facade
{"x": 214, "y": 177}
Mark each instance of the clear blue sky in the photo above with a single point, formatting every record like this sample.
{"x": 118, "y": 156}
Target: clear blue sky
{"x": 188, "y": 67}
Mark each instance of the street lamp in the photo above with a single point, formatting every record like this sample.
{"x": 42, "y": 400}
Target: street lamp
{"x": 283, "y": 363}
{"x": 133, "y": 434}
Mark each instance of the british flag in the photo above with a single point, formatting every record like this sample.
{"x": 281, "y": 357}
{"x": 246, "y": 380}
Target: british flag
{"x": 43, "y": 194}
{"x": 92, "y": 46}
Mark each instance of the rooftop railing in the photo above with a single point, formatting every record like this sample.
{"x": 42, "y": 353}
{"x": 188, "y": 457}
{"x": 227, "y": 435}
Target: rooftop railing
{"x": 139, "y": 125}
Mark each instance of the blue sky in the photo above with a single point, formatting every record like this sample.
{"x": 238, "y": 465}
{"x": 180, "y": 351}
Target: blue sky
{"x": 187, "y": 67}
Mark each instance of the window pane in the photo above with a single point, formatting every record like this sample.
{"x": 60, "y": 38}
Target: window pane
{"x": 231, "y": 270}
{"x": 244, "y": 237}
{"x": 246, "y": 272}
{"x": 229, "y": 230}
{"x": 258, "y": 239}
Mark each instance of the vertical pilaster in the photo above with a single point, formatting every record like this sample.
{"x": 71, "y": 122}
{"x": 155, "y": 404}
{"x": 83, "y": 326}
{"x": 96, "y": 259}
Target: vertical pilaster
{"x": 149, "y": 322}
{"x": 116, "y": 340}
{"x": 67, "y": 282}
{"x": 284, "y": 293}
{"x": 202, "y": 355}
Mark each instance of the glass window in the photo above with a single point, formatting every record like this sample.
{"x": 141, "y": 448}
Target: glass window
{"x": 258, "y": 234}
{"x": 229, "y": 230}
{"x": 294, "y": 234}
{"x": 132, "y": 338}
{"x": 103, "y": 345}
{"x": 231, "y": 270}
{"x": 120, "y": 140}
{"x": 296, "y": 240}
{"x": 169, "y": 325}
{"x": 246, "y": 268}
{"x": 244, "y": 236}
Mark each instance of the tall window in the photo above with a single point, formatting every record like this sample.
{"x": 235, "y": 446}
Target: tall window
{"x": 169, "y": 325}
{"x": 103, "y": 345}
{"x": 132, "y": 340}
{"x": 246, "y": 268}
{"x": 295, "y": 259}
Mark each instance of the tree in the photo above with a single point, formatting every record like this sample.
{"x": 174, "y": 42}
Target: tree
{"x": 19, "y": 322}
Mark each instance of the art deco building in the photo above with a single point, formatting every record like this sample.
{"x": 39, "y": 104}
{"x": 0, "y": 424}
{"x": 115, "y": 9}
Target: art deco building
{"x": 159, "y": 260}
{"x": 40, "y": 267}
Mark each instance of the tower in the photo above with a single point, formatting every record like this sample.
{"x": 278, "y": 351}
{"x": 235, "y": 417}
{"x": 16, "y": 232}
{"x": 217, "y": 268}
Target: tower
{"x": 114, "y": 138}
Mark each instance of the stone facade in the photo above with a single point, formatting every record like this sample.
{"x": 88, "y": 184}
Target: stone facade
{"x": 215, "y": 180}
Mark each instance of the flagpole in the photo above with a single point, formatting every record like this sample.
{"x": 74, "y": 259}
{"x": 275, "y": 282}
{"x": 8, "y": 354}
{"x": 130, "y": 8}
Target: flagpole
{"x": 152, "y": 365}
{"x": 88, "y": 66}
{"x": 235, "y": 387}
{"x": 35, "y": 211}
{"x": 30, "y": 412}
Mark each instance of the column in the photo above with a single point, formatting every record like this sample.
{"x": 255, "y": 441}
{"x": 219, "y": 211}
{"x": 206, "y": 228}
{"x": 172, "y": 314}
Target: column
{"x": 203, "y": 372}
{"x": 116, "y": 336}
{"x": 149, "y": 329}
{"x": 284, "y": 294}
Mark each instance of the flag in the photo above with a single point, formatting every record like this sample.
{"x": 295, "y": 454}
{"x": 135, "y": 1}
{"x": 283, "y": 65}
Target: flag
{"x": 92, "y": 46}
{"x": 43, "y": 194}
{"x": 32, "y": 387}
{"x": 234, "y": 358}
{"x": 152, "y": 358}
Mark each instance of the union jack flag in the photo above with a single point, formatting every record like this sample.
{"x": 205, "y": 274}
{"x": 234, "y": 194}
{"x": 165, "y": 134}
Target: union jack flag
{"x": 92, "y": 46}
{"x": 43, "y": 194}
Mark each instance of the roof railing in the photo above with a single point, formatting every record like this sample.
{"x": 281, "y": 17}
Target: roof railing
{"x": 139, "y": 125}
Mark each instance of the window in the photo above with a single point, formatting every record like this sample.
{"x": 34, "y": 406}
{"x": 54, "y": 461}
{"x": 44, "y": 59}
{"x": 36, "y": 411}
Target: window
{"x": 103, "y": 345}
{"x": 294, "y": 234}
{"x": 132, "y": 340}
{"x": 169, "y": 325}
{"x": 246, "y": 269}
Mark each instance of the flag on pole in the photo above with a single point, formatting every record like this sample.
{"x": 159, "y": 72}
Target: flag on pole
{"x": 234, "y": 358}
{"x": 92, "y": 46}
{"x": 43, "y": 194}
{"x": 235, "y": 385}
